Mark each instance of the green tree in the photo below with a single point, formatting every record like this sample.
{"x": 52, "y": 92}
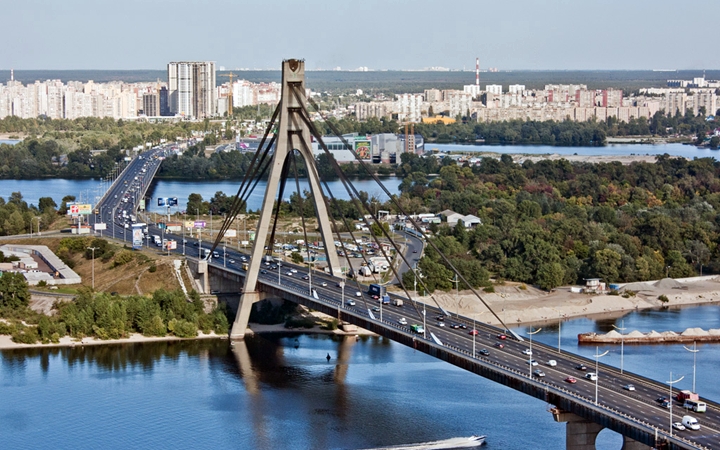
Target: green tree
{"x": 14, "y": 292}
{"x": 550, "y": 275}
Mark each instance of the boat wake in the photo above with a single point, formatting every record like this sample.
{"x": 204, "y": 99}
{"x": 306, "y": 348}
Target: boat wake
{"x": 457, "y": 442}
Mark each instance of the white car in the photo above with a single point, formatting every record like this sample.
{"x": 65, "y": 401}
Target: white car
{"x": 629, "y": 387}
{"x": 532, "y": 362}
{"x": 527, "y": 351}
{"x": 441, "y": 324}
{"x": 678, "y": 426}
{"x": 402, "y": 321}
{"x": 552, "y": 363}
{"x": 358, "y": 294}
{"x": 592, "y": 376}
{"x": 323, "y": 284}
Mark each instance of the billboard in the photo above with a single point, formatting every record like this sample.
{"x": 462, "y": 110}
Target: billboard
{"x": 199, "y": 224}
{"x": 362, "y": 148}
{"x": 100, "y": 226}
{"x": 137, "y": 236}
{"x": 75, "y": 209}
{"x": 171, "y": 245}
{"x": 142, "y": 204}
{"x": 189, "y": 224}
{"x": 167, "y": 201}
{"x": 231, "y": 233}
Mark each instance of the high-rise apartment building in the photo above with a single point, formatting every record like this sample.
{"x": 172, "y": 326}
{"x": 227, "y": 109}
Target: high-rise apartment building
{"x": 191, "y": 89}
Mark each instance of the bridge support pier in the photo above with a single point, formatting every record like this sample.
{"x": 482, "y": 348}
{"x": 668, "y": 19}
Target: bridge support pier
{"x": 202, "y": 270}
{"x": 247, "y": 300}
{"x": 580, "y": 434}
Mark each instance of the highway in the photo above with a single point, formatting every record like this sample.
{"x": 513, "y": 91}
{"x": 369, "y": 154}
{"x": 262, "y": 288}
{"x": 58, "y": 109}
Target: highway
{"x": 453, "y": 333}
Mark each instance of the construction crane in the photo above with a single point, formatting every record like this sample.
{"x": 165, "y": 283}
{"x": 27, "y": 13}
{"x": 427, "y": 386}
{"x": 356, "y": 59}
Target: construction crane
{"x": 230, "y": 93}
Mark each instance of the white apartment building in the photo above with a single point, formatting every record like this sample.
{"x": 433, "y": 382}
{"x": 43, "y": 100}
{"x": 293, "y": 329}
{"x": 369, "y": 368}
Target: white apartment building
{"x": 516, "y": 88}
{"x": 409, "y": 107}
{"x": 191, "y": 89}
{"x": 493, "y": 89}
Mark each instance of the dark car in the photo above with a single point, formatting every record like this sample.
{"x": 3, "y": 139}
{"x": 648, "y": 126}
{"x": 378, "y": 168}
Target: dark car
{"x": 455, "y": 326}
{"x": 499, "y": 345}
{"x": 483, "y": 351}
{"x": 440, "y": 318}
{"x": 581, "y": 367}
{"x": 306, "y": 277}
{"x": 263, "y": 271}
{"x": 463, "y": 326}
{"x": 414, "y": 251}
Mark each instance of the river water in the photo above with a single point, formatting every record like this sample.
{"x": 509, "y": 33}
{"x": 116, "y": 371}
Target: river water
{"x": 279, "y": 392}
{"x": 88, "y": 190}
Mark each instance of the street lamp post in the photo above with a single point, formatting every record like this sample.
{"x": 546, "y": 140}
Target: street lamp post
{"x": 93, "y": 265}
{"x": 694, "y": 351}
{"x": 342, "y": 296}
{"x": 559, "y": 327}
{"x": 279, "y": 266}
{"x": 622, "y": 343}
{"x": 530, "y": 356}
{"x": 670, "y": 399}
{"x": 425, "y": 322}
{"x": 183, "y": 228}
{"x": 597, "y": 374}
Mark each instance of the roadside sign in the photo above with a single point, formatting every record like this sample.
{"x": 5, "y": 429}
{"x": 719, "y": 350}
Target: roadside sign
{"x": 100, "y": 226}
{"x": 199, "y": 224}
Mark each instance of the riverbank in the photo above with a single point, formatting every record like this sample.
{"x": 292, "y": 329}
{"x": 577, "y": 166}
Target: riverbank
{"x": 6, "y": 342}
{"x": 519, "y": 304}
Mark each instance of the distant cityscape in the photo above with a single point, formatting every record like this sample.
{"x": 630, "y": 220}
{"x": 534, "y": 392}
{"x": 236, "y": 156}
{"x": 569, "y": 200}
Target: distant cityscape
{"x": 191, "y": 92}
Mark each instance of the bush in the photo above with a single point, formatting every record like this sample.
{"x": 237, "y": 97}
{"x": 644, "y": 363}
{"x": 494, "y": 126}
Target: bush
{"x": 489, "y": 289}
{"x": 152, "y": 269}
{"x": 663, "y": 298}
{"x": 7, "y": 328}
{"x": 25, "y": 335}
{"x": 42, "y": 283}
{"x": 123, "y": 257}
{"x": 304, "y": 322}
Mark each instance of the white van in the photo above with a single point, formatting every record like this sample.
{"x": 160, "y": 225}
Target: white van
{"x": 552, "y": 363}
{"x": 690, "y": 422}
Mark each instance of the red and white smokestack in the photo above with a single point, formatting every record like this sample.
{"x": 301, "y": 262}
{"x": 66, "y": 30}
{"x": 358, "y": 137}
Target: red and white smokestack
{"x": 477, "y": 71}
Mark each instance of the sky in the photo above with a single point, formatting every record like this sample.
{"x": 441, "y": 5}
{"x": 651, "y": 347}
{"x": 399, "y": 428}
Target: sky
{"x": 377, "y": 34}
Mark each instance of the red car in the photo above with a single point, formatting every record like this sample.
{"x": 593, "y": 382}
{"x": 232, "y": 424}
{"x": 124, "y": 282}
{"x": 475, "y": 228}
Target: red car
{"x": 474, "y": 332}
{"x": 571, "y": 380}
{"x": 502, "y": 336}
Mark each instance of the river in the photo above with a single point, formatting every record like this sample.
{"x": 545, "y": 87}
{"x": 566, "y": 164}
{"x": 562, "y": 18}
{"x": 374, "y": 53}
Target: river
{"x": 279, "y": 392}
{"x": 88, "y": 190}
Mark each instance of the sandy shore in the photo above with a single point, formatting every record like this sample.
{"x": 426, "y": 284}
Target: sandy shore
{"x": 67, "y": 341}
{"x": 516, "y": 305}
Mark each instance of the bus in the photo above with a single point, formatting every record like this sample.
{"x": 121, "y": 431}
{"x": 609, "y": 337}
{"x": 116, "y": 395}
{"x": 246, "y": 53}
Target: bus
{"x": 695, "y": 405}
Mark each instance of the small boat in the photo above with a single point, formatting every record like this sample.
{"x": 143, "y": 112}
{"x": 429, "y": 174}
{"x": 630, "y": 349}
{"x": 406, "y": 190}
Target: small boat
{"x": 458, "y": 442}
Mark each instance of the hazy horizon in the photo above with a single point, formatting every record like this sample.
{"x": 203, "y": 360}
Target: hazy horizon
{"x": 382, "y": 35}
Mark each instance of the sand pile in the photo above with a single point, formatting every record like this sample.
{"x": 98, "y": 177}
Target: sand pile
{"x": 654, "y": 334}
{"x": 714, "y": 332}
{"x": 639, "y": 286}
{"x": 669, "y": 333}
{"x": 635, "y": 334}
{"x": 667, "y": 283}
{"x": 694, "y": 332}
{"x": 613, "y": 334}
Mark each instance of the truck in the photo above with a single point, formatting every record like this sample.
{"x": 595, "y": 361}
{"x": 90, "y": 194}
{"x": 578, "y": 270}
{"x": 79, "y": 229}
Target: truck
{"x": 365, "y": 271}
{"x": 687, "y": 395}
{"x": 155, "y": 238}
{"x": 376, "y": 289}
{"x": 397, "y": 302}
{"x": 386, "y": 299}
{"x": 417, "y": 329}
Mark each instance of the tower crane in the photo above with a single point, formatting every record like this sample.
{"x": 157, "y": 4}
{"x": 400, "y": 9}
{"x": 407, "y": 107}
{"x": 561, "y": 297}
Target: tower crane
{"x": 230, "y": 93}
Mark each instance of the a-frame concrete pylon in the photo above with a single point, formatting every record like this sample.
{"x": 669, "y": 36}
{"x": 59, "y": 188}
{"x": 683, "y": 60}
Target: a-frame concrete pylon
{"x": 292, "y": 135}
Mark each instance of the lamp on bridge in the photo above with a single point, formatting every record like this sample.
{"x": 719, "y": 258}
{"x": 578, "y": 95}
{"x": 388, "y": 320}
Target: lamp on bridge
{"x": 622, "y": 343}
{"x": 671, "y": 382}
{"x": 694, "y": 351}
{"x": 597, "y": 374}
{"x": 530, "y": 356}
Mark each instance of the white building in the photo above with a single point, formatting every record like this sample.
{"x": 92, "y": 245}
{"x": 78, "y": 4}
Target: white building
{"x": 494, "y": 89}
{"x": 191, "y": 89}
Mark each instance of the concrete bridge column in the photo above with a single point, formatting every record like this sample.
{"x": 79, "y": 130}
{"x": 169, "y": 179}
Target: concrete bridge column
{"x": 203, "y": 272}
{"x": 631, "y": 444}
{"x": 580, "y": 434}
{"x": 247, "y": 300}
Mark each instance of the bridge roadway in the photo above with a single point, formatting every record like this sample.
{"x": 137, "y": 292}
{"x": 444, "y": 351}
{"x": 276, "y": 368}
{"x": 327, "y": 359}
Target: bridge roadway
{"x": 631, "y": 413}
